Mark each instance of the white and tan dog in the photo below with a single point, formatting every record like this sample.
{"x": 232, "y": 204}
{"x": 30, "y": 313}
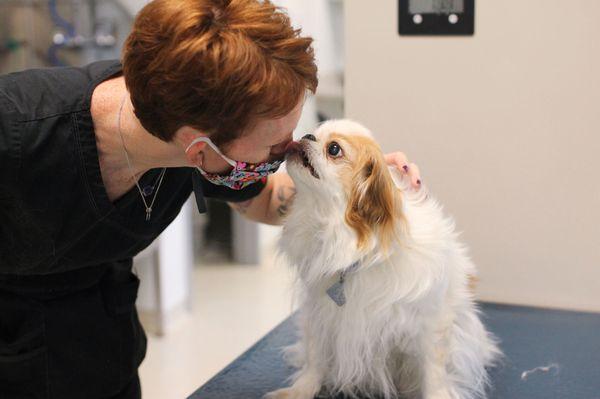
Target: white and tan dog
{"x": 386, "y": 304}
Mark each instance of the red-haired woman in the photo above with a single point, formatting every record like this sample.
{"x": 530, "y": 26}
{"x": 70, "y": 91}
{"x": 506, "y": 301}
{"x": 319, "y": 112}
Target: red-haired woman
{"x": 96, "y": 161}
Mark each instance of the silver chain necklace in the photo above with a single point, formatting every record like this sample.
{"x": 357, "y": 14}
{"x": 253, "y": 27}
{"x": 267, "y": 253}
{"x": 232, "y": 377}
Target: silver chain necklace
{"x": 162, "y": 174}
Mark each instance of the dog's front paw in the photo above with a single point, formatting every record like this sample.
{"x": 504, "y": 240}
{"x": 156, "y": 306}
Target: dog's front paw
{"x": 295, "y": 355}
{"x": 289, "y": 393}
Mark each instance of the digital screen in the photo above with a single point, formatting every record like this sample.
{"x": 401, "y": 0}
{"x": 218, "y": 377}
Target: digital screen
{"x": 436, "y": 6}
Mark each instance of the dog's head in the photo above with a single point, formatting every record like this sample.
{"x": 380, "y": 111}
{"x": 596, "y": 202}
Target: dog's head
{"x": 342, "y": 165}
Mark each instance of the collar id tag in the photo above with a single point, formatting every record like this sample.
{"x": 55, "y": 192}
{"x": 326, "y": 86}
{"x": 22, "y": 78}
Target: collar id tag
{"x": 336, "y": 293}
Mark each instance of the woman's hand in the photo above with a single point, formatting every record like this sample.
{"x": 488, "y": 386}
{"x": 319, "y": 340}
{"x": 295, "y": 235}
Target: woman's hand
{"x": 399, "y": 160}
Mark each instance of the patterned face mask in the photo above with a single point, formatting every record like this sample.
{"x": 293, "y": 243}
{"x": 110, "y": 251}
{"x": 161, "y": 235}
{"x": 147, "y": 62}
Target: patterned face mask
{"x": 243, "y": 173}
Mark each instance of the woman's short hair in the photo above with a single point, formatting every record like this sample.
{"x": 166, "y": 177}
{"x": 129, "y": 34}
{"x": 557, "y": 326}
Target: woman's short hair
{"x": 216, "y": 65}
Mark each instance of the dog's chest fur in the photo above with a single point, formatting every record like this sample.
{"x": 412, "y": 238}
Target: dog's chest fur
{"x": 388, "y": 302}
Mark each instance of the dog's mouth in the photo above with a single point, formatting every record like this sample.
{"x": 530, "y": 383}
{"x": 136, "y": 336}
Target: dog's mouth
{"x": 298, "y": 149}
{"x": 307, "y": 164}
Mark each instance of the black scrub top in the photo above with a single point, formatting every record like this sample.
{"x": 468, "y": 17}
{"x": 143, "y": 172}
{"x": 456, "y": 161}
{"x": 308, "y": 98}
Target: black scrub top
{"x": 68, "y": 324}
{"x": 55, "y": 215}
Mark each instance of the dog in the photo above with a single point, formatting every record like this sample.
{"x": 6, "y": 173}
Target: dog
{"x": 386, "y": 302}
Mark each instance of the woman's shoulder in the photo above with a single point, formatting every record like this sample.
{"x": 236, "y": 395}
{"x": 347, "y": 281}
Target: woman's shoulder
{"x": 43, "y": 92}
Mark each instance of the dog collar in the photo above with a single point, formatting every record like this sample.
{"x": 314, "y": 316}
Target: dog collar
{"x": 336, "y": 291}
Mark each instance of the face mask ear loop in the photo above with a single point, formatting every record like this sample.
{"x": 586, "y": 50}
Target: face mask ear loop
{"x": 214, "y": 147}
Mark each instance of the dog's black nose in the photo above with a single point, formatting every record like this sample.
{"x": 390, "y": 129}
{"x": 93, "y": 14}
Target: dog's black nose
{"x": 310, "y": 137}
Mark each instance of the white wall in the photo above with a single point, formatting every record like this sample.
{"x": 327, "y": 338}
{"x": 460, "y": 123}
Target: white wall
{"x": 134, "y": 6}
{"x": 505, "y": 126}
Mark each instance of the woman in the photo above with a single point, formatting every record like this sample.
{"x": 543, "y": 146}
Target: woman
{"x": 96, "y": 161}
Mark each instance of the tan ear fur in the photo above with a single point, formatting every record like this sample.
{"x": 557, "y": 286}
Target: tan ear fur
{"x": 374, "y": 205}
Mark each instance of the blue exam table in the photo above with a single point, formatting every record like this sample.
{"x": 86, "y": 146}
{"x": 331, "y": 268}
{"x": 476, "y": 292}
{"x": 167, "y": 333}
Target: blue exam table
{"x": 566, "y": 343}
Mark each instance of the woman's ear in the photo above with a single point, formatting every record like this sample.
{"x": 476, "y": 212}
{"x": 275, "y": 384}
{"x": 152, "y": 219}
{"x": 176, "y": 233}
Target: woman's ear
{"x": 374, "y": 204}
{"x": 186, "y": 138}
{"x": 195, "y": 153}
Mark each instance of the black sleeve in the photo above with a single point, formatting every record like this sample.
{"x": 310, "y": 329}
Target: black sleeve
{"x": 8, "y": 144}
{"x": 20, "y": 238}
{"x": 224, "y": 193}
{"x": 38, "y": 167}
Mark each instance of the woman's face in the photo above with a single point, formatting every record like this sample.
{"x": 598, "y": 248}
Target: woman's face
{"x": 267, "y": 140}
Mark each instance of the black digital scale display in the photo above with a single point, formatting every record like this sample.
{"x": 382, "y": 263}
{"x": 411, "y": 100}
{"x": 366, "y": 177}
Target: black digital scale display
{"x": 436, "y": 17}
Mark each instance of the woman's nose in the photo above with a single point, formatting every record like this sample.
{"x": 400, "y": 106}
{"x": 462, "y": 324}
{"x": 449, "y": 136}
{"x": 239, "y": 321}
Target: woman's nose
{"x": 310, "y": 137}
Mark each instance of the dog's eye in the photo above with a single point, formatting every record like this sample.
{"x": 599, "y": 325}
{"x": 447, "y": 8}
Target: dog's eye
{"x": 334, "y": 149}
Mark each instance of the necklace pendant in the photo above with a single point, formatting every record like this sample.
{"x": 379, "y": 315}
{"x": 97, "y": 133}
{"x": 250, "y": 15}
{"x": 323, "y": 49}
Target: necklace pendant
{"x": 148, "y": 190}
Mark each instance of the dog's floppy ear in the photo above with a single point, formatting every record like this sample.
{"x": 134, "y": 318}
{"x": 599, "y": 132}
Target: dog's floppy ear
{"x": 374, "y": 204}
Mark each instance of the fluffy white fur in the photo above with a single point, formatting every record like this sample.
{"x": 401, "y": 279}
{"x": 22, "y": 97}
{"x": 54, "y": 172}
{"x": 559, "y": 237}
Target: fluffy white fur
{"x": 410, "y": 327}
